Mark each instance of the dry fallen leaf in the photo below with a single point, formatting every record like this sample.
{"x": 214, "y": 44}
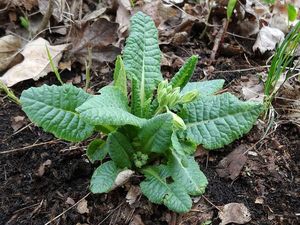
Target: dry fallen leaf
{"x": 234, "y": 213}
{"x": 18, "y": 122}
{"x": 122, "y": 178}
{"x": 82, "y": 207}
{"x": 100, "y": 36}
{"x": 133, "y": 194}
{"x": 58, "y": 8}
{"x": 267, "y": 39}
{"x": 9, "y": 46}
{"x": 136, "y": 220}
{"x": 123, "y": 15}
{"x": 253, "y": 89}
{"x": 41, "y": 169}
{"x": 70, "y": 201}
{"x": 233, "y": 163}
{"x": 27, "y": 4}
{"x": 35, "y": 63}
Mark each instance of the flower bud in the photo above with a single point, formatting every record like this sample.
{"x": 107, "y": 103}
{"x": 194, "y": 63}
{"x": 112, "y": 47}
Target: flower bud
{"x": 162, "y": 85}
{"x": 189, "y": 97}
{"x": 178, "y": 122}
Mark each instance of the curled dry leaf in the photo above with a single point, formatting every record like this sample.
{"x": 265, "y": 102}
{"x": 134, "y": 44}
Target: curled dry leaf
{"x": 267, "y": 39}
{"x": 234, "y": 213}
{"x": 122, "y": 178}
{"x": 9, "y": 46}
{"x": 36, "y": 62}
{"x": 82, "y": 207}
{"x": 100, "y": 36}
{"x": 233, "y": 163}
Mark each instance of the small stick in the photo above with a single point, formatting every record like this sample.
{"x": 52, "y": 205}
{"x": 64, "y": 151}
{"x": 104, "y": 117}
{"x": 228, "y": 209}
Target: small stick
{"x": 55, "y": 218}
{"x": 46, "y": 17}
{"x": 219, "y": 39}
{"x": 29, "y": 146}
{"x": 211, "y": 203}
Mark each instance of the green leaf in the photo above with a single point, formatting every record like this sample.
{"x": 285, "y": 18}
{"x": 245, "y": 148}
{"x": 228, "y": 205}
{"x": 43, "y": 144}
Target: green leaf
{"x": 186, "y": 171}
{"x": 143, "y": 111}
{"x": 108, "y": 108}
{"x": 104, "y": 177}
{"x": 230, "y": 7}
{"x": 292, "y": 12}
{"x": 142, "y": 57}
{"x": 119, "y": 149}
{"x": 183, "y": 147}
{"x": 97, "y": 150}
{"x": 205, "y": 88}
{"x": 215, "y": 121}
{"x": 53, "y": 109}
{"x": 182, "y": 77}
{"x": 157, "y": 190}
{"x": 120, "y": 76}
{"x": 155, "y": 134}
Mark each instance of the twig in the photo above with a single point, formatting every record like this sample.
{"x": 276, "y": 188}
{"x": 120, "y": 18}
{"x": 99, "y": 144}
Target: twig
{"x": 55, "y": 218}
{"x": 211, "y": 203}
{"x": 28, "y": 147}
{"x": 46, "y": 17}
{"x": 110, "y": 213}
{"x": 219, "y": 39}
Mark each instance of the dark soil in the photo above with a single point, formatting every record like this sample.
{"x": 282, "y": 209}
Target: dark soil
{"x": 28, "y": 197}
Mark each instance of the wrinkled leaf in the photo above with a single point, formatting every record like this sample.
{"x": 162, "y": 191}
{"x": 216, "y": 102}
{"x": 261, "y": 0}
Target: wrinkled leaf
{"x": 215, "y": 121}
{"x": 96, "y": 150}
{"x": 158, "y": 191}
{"x": 185, "y": 170}
{"x": 119, "y": 149}
{"x": 53, "y": 109}
{"x": 205, "y": 88}
{"x": 108, "y": 108}
{"x": 155, "y": 134}
{"x": 142, "y": 58}
{"x": 103, "y": 177}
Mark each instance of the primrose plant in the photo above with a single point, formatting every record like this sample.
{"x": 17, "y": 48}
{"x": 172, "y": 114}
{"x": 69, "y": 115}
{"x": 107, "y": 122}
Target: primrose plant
{"x": 153, "y": 129}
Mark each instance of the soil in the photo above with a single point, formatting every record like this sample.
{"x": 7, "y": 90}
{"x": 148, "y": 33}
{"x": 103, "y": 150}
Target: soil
{"x": 40, "y": 181}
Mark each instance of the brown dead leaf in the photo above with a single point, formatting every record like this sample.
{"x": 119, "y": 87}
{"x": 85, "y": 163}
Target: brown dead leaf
{"x": 82, "y": 207}
{"x": 70, "y": 201}
{"x": 123, "y": 16}
{"x": 234, "y": 213}
{"x": 100, "y": 36}
{"x": 58, "y": 8}
{"x": 9, "y": 46}
{"x": 35, "y": 64}
{"x": 136, "y": 220}
{"x": 133, "y": 194}
{"x": 41, "y": 169}
{"x": 232, "y": 164}
{"x": 18, "y": 122}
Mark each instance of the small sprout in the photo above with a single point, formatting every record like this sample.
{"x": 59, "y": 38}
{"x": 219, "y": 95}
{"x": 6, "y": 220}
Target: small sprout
{"x": 24, "y": 21}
